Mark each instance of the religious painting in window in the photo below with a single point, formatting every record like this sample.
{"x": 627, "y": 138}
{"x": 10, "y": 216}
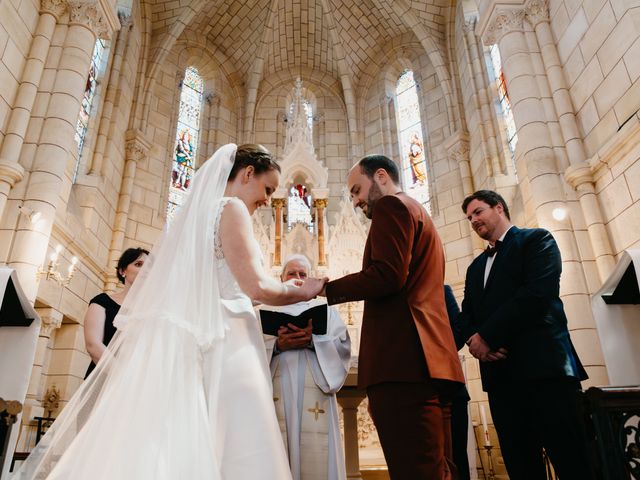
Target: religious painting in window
{"x": 82, "y": 125}
{"x": 412, "y": 151}
{"x": 503, "y": 97}
{"x": 187, "y": 135}
{"x": 299, "y": 207}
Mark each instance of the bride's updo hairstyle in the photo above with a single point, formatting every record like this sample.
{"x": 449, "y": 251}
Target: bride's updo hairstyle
{"x": 253, "y": 155}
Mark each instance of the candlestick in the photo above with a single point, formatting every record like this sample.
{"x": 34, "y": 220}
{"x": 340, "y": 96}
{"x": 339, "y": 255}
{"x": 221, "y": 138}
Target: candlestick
{"x": 485, "y": 428}
{"x": 490, "y": 474}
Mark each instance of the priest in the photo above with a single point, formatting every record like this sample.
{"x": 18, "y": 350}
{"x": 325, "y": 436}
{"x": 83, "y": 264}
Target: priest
{"x": 307, "y": 370}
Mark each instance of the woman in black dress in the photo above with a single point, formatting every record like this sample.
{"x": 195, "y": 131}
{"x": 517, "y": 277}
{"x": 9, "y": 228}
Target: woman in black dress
{"x": 103, "y": 308}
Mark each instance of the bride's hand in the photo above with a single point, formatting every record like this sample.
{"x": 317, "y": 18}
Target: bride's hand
{"x": 312, "y": 287}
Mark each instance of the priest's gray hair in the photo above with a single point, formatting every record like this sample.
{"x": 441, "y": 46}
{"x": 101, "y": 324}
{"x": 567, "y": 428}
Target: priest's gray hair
{"x": 297, "y": 257}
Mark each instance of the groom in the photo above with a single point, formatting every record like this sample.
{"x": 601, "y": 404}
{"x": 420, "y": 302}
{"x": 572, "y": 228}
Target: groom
{"x": 408, "y": 359}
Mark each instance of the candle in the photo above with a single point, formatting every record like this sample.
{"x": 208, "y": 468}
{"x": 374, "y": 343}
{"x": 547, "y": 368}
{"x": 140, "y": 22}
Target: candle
{"x": 485, "y": 429}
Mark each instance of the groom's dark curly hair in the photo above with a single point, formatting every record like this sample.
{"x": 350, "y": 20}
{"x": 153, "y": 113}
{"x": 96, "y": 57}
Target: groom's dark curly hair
{"x": 253, "y": 155}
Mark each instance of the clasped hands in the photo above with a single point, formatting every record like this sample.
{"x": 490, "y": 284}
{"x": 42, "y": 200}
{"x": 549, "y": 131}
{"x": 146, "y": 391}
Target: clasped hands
{"x": 292, "y": 337}
{"x": 312, "y": 286}
{"x": 481, "y": 350}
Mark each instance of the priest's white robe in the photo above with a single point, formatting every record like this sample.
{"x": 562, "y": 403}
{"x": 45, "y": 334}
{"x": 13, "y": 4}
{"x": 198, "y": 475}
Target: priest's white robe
{"x": 305, "y": 382}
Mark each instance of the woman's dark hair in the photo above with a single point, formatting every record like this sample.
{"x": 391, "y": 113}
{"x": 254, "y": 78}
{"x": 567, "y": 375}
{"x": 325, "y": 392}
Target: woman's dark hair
{"x": 489, "y": 197}
{"x": 129, "y": 256}
{"x": 253, "y": 155}
{"x": 371, "y": 163}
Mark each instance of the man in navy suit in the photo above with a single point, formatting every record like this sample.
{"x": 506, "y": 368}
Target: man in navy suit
{"x": 515, "y": 324}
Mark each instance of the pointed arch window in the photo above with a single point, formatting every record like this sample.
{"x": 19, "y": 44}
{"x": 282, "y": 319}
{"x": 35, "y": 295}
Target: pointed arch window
{"x": 187, "y": 136}
{"x": 86, "y": 104}
{"x": 503, "y": 99}
{"x": 412, "y": 152}
{"x": 299, "y": 206}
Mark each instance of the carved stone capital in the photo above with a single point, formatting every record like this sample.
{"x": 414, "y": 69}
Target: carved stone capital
{"x": 469, "y": 25}
{"x": 136, "y": 145}
{"x": 579, "y": 176}
{"x": 320, "y": 203}
{"x": 125, "y": 19}
{"x": 51, "y": 320}
{"x": 457, "y": 147}
{"x": 537, "y": 11}
{"x": 10, "y": 172}
{"x": 277, "y": 202}
{"x": 53, "y": 7}
{"x": 97, "y": 16}
{"x": 503, "y": 21}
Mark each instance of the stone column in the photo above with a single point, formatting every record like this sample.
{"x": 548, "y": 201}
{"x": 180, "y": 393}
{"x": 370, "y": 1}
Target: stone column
{"x": 537, "y": 13}
{"x": 349, "y": 399}
{"x": 11, "y": 171}
{"x": 213, "y": 113}
{"x": 112, "y": 82}
{"x": 580, "y": 177}
{"x": 482, "y": 100}
{"x": 385, "y": 125}
{"x": 51, "y": 321}
{"x": 320, "y": 204}
{"x": 52, "y": 167}
{"x": 136, "y": 149}
{"x": 536, "y": 156}
{"x": 457, "y": 147}
{"x": 278, "y": 205}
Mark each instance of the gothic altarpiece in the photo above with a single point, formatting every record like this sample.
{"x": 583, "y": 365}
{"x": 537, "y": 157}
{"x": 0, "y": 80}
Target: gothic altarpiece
{"x": 296, "y": 223}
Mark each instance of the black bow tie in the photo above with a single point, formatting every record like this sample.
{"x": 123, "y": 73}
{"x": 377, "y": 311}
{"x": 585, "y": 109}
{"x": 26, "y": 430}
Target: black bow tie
{"x": 491, "y": 251}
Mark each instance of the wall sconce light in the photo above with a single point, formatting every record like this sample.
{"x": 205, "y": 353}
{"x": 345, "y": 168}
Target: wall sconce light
{"x": 52, "y": 268}
{"x": 559, "y": 213}
{"x": 31, "y": 214}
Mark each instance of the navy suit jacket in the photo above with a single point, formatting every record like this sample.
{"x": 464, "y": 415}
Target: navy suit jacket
{"x": 520, "y": 309}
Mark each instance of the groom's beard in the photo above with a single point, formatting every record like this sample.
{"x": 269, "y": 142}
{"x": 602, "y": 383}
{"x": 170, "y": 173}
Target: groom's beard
{"x": 374, "y": 194}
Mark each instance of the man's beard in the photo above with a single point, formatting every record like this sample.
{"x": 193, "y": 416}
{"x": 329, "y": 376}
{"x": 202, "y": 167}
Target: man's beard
{"x": 374, "y": 194}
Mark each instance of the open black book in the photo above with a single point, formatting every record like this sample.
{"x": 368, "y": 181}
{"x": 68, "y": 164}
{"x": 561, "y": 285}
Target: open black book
{"x": 272, "y": 321}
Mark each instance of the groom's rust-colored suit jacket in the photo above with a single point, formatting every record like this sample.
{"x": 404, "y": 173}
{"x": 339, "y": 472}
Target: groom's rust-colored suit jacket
{"x": 406, "y": 335}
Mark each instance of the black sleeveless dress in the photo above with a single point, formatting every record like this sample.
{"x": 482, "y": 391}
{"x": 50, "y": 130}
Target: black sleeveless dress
{"x": 111, "y": 309}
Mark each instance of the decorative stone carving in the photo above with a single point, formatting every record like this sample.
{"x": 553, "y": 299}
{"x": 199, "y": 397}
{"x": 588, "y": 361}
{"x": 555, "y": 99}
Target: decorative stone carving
{"x": 459, "y": 150}
{"x": 537, "y": 11}
{"x": 51, "y": 320}
{"x": 503, "y": 22}
{"x": 90, "y": 15}
{"x": 299, "y": 154}
{"x": 278, "y": 202}
{"x": 320, "y": 203}
{"x": 136, "y": 146}
{"x": 53, "y": 7}
{"x": 299, "y": 240}
{"x": 126, "y": 20}
{"x": 469, "y": 25}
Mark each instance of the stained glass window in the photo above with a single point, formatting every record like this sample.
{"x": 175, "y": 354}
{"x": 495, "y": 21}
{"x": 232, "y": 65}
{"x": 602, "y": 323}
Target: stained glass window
{"x": 299, "y": 207}
{"x": 414, "y": 161}
{"x": 82, "y": 125}
{"x": 187, "y": 135}
{"x": 505, "y": 103}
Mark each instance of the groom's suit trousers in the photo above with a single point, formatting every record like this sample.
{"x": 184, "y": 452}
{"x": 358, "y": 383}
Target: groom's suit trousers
{"x": 414, "y": 428}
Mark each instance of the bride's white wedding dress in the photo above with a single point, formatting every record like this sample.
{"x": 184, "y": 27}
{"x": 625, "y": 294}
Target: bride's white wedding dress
{"x": 165, "y": 407}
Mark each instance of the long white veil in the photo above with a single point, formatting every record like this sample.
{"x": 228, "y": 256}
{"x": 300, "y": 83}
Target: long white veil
{"x": 131, "y": 417}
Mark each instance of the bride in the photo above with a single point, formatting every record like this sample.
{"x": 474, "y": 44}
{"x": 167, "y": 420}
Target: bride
{"x": 183, "y": 390}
